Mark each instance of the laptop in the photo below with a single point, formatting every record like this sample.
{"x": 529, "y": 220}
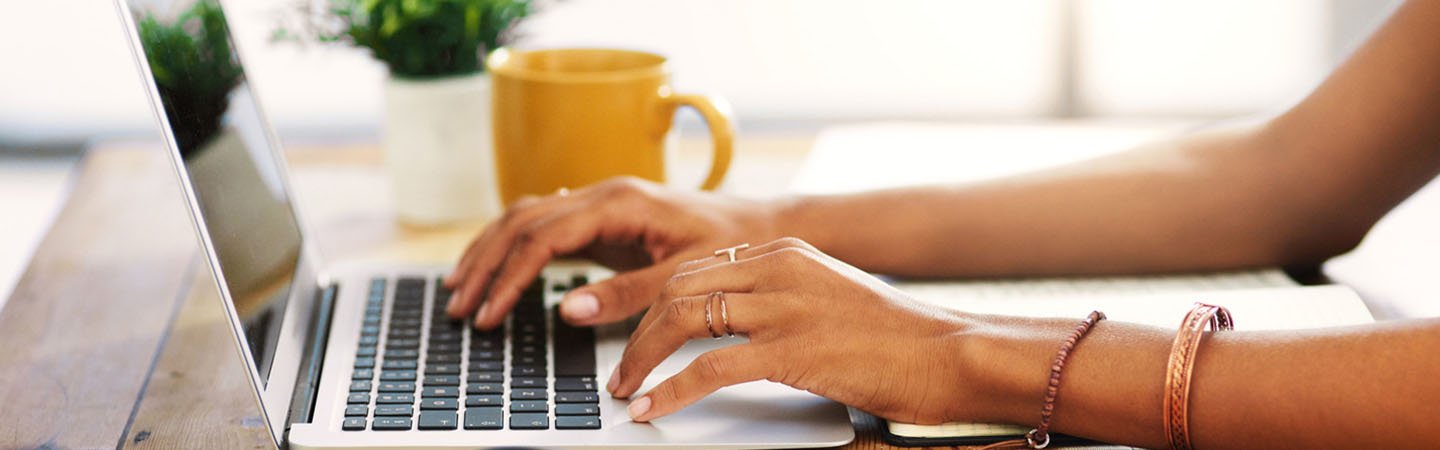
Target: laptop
{"x": 362, "y": 355}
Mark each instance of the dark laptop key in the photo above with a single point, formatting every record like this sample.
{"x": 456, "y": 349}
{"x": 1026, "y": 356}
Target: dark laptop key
{"x": 397, "y": 386}
{"x": 400, "y": 333}
{"x": 358, "y": 397}
{"x": 365, "y": 362}
{"x": 440, "y": 391}
{"x": 442, "y": 380}
{"x": 405, "y": 314}
{"x": 527, "y": 382}
{"x": 577, "y": 422}
{"x": 445, "y": 347}
{"x": 483, "y": 418}
{"x": 360, "y": 386}
{"x": 528, "y": 360}
{"x": 486, "y": 366}
{"x": 486, "y": 344}
{"x": 397, "y": 344}
{"x": 402, "y": 353}
{"x": 395, "y": 397}
{"x": 408, "y": 322}
{"x": 439, "y": 403}
{"x": 528, "y": 339}
{"x": 394, "y": 410}
{"x": 391, "y": 423}
{"x": 397, "y": 375}
{"x": 437, "y": 420}
{"x": 485, "y": 377}
{"x": 532, "y": 328}
{"x": 579, "y": 280}
{"x": 527, "y": 394}
{"x": 442, "y": 369}
{"x": 520, "y": 406}
{"x": 369, "y": 340}
{"x": 365, "y": 350}
{"x": 574, "y": 349}
{"x": 529, "y": 421}
{"x": 353, "y": 424}
{"x": 370, "y": 330}
{"x": 400, "y": 364}
{"x": 528, "y": 371}
{"x": 357, "y": 410}
{"x": 363, "y": 374}
{"x": 484, "y": 400}
{"x": 443, "y": 324}
{"x": 442, "y": 358}
{"x": 577, "y": 409}
{"x": 486, "y": 355}
{"x": 484, "y": 388}
{"x": 449, "y": 336}
{"x": 575, "y": 384}
{"x": 576, "y": 397}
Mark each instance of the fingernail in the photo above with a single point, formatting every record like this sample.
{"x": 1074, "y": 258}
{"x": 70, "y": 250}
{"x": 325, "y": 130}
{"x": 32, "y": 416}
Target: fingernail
{"x": 580, "y": 306}
{"x": 480, "y": 315}
{"x": 454, "y": 298}
{"x": 614, "y": 380}
{"x": 639, "y": 407}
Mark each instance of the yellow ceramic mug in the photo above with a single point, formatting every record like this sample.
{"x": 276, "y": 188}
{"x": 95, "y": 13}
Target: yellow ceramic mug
{"x": 571, "y": 117}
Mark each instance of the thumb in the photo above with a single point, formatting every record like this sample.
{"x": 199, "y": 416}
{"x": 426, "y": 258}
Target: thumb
{"x": 615, "y": 298}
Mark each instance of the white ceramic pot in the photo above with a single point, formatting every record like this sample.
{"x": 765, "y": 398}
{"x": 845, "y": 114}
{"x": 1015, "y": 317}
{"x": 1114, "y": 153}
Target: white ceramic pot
{"x": 438, "y": 147}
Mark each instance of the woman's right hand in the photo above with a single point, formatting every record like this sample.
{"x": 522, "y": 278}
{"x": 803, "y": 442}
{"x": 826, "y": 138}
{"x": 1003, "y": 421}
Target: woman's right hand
{"x": 638, "y": 228}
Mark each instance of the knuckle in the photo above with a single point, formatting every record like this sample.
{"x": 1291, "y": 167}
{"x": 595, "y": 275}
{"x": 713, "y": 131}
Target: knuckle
{"x": 672, "y": 286}
{"x": 710, "y": 366}
{"x": 789, "y": 242}
{"x": 676, "y": 311}
{"x": 518, "y": 208}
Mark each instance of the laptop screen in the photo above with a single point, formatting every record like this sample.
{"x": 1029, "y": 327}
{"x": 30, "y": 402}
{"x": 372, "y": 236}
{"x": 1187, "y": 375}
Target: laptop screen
{"x": 228, "y": 158}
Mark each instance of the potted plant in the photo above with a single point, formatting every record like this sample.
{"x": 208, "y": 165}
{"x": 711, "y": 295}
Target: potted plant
{"x": 437, "y": 98}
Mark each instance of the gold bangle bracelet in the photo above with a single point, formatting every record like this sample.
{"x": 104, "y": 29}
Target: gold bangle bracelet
{"x": 1182, "y": 364}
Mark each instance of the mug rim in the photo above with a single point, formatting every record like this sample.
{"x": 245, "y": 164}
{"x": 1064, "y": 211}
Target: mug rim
{"x": 495, "y": 65}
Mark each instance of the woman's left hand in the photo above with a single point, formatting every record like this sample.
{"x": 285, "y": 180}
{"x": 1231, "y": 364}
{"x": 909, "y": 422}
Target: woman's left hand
{"x": 814, "y": 323}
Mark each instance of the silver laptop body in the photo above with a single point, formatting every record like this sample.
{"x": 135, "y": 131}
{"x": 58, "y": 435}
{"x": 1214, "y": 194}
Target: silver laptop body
{"x": 299, "y": 325}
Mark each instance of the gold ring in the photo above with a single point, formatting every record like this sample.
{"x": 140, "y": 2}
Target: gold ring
{"x": 731, "y": 251}
{"x": 725, "y": 314}
{"x": 709, "y": 304}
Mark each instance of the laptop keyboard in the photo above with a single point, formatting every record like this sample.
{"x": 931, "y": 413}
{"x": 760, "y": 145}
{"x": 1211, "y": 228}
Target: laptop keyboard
{"x": 418, "y": 369}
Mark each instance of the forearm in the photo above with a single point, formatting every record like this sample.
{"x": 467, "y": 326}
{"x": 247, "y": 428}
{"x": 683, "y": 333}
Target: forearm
{"x": 1206, "y": 201}
{"x": 1358, "y": 387}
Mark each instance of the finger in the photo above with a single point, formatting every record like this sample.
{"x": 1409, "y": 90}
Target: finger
{"x": 615, "y": 298}
{"x": 472, "y": 275}
{"x": 533, "y": 247}
{"x": 679, "y": 321}
{"x": 520, "y": 211}
{"x": 742, "y": 254}
{"x": 736, "y": 277}
{"x": 709, "y": 372}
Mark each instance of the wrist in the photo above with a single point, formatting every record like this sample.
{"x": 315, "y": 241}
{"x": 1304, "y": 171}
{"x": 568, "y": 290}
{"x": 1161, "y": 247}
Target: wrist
{"x": 1004, "y": 363}
{"x": 795, "y": 216}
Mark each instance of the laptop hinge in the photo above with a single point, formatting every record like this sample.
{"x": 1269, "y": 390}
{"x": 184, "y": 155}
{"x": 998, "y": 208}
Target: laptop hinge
{"x": 312, "y": 362}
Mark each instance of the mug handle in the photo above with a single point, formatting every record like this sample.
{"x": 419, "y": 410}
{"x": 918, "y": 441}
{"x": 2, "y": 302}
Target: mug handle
{"x": 716, "y": 112}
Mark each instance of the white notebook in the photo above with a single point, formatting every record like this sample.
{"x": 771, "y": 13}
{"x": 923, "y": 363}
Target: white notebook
{"x": 1261, "y": 299}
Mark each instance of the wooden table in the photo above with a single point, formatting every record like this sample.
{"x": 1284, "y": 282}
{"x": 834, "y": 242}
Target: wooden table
{"x": 114, "y": 336}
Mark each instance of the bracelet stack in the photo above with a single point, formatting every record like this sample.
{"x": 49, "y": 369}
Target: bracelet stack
{"x": 1182, "y": 364}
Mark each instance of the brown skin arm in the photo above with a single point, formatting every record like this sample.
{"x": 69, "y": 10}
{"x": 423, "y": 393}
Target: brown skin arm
{"x": 1298, "y": 188}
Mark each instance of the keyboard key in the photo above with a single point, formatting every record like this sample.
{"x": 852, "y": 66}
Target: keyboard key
{"x": 400, "y": 364}
{"x": 485, "y": 377}
{"x": 391, "y": 423}
{"x": 484, "y": 388}
{"x": 365, "y": 350}
{"x": 527, "y": 382}
{"x": 528, "y": 350}
{"x": 402, "y": 344}
{"x": 574, "y": 349}
{"x": 485, "y": 355}
{"x": 484, "y": 400}
{"x": 360, "y": 386}
{"x": 576, "y": 397}
{"x": 397, "y": 375}
{"x": 358, "y": 397}
{"x": 394, "y": 410}
{"x": 370, "y": 330}
{"x": 529, "y": 421}
{"x": 447, "y": 337}
{"x": 440, "y": 391}
{"x": 401, "y": 354}
{"x": 445, "y": 347}
{"x": 527, "y": 394}
{"x": 395, "y": 397}
{"x": 483, "y": 418}
{"x": 520, "y": 406}
{"x": 577, "y": 409}
{"x": 369, "y": 340}
{"x": 406, "y": 322}
{"x": 353, "y": 424}
{"x": 362, "y": 374}
{"x": 438, "y": 420}
{"x": 397, "y": 386}
{"x": 579, "y": 280}
{"x": 401, "y": 333}
{"x": 365, "y": 362}
{"x": 575, "y": 384}
{"x": 439, "y": 403}
{"x": 357, "y": 410}
{"x": 442, "y": 380}
{"x": 528, "y": 371}
{"x": 528, "y": 360}
{"x": 486, "y": 366}
{"x": 442, "y": 369}
{"x": 577, "y": 422}
{"x": 442, "y": 358}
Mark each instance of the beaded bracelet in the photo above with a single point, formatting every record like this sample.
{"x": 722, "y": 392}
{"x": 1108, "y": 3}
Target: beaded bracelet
{"x": 1182, "y": 364}
{"x": 1039, "y": 437}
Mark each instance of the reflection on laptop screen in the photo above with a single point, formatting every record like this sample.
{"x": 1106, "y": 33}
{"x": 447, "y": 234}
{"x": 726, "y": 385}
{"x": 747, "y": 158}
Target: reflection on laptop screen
{"x": 232, "y": 169}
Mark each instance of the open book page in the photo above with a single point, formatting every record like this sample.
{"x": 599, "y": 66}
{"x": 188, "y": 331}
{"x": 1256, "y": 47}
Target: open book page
{"x": 1258, "y": 300}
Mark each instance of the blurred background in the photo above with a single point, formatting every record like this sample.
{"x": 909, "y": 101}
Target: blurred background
{"x": 67, "y": 78}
